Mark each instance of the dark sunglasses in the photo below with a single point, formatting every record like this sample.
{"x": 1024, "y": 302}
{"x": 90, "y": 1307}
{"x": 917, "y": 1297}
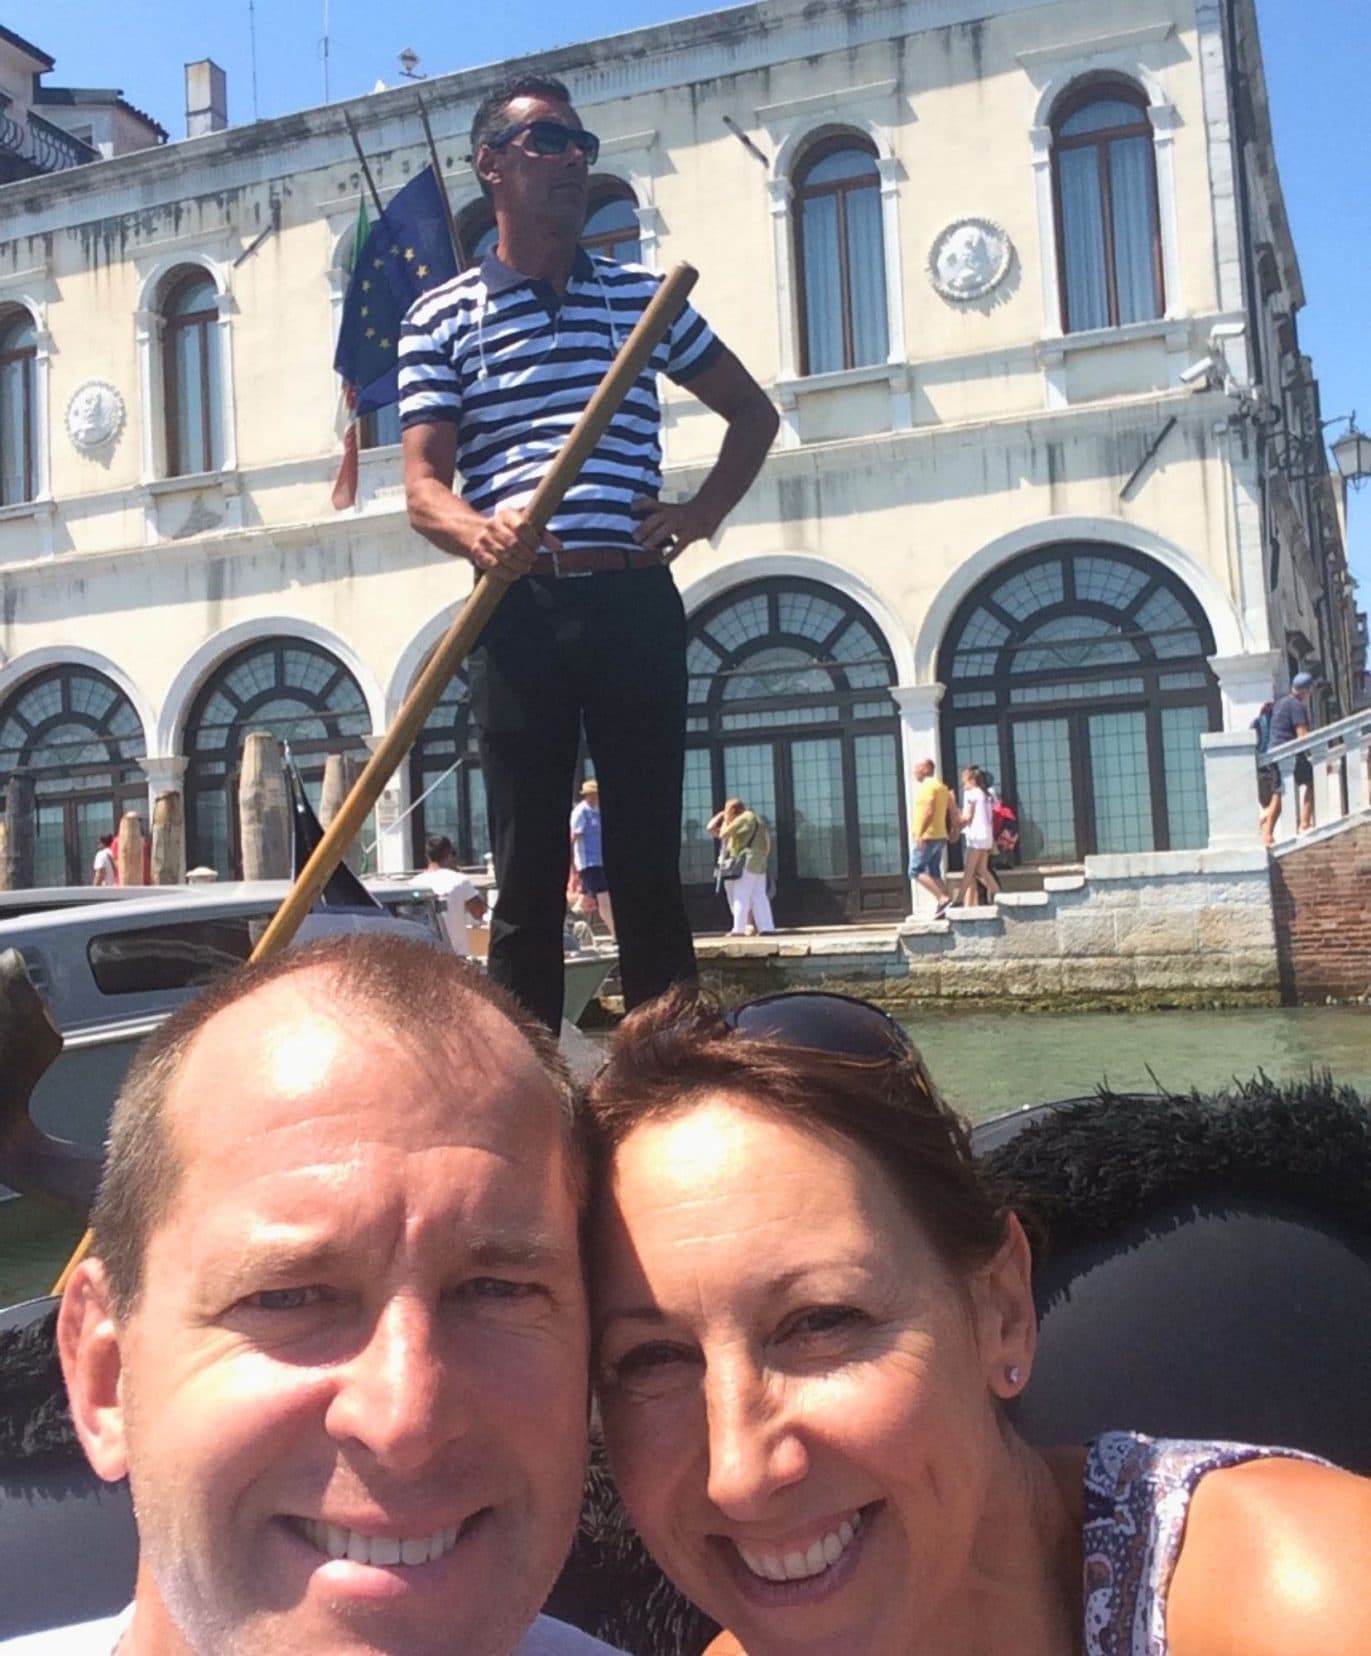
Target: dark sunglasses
{"x": 549, "y": 138}
{"x": 836, "y": 1026}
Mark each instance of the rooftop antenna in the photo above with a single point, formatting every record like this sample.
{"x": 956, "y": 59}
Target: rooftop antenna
{"x": 323, "y": 51}
{"x": 252, "y": 51}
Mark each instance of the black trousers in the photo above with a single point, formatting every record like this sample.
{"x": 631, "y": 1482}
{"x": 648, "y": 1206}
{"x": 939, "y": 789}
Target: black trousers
{"x": 608, "y": 650}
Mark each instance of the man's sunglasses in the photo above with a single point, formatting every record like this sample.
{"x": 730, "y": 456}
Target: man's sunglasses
{"x": 834, "y": 1026}
{"x": 548, "y": 138}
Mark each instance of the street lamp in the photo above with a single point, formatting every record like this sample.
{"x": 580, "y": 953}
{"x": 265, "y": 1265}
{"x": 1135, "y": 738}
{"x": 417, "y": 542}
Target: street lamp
{"x": 1352, "y": 455}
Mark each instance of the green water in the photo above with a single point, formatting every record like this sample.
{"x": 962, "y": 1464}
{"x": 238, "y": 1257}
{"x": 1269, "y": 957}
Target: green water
{"x": 986, "y": 1063}
{"x": 990, "y": 1062}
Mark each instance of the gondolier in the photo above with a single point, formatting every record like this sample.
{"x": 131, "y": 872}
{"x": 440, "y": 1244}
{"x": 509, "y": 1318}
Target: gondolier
{"x": 495, "y": 366}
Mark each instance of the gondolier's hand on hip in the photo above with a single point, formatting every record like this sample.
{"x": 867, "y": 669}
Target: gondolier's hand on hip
{"x": 668, "y": 527}
{"x": 506, "y": 545}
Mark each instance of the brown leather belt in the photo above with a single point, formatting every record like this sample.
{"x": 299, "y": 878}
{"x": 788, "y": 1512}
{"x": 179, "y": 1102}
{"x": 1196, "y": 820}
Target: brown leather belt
{"x": 594, "y": 560}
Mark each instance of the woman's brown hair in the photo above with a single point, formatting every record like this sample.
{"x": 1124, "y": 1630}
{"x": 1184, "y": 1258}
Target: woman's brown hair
{"x": 671, "y": 1052}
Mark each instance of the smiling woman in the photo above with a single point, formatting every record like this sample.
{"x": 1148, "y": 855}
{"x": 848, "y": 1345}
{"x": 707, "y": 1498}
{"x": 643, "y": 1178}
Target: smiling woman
{"x": 810, "y": 1313}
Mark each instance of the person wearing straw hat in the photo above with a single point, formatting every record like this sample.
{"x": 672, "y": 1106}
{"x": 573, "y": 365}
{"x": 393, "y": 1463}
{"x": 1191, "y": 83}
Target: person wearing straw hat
{"x": 495, "y": 367}
{"x": 587, "y": 853}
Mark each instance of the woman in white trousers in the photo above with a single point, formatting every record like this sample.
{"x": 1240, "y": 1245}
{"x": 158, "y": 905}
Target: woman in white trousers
{"x": 741, "y": 832}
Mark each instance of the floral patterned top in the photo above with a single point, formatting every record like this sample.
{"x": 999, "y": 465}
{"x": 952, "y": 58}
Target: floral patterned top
{"x": 1137, "y": 1494}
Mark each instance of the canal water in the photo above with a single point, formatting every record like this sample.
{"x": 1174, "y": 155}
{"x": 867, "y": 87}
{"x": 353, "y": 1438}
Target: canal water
{"x": 985, "y": 1063}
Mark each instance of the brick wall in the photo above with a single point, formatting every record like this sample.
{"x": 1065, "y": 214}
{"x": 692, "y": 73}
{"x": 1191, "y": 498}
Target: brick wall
{"x": 1322, "y": 898}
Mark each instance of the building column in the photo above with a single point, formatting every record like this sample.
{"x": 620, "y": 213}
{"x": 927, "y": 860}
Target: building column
{"x": 920, "y": 730}
{"x": 391, "y": 817}
{"x": 1230, "y": 785}
{"x": 1245, "y": 683}
{"x": 166, "y": 774}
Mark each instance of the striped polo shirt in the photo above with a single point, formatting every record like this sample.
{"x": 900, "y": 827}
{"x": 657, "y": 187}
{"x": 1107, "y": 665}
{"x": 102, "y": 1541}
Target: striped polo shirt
{"x": 512, "y": 367}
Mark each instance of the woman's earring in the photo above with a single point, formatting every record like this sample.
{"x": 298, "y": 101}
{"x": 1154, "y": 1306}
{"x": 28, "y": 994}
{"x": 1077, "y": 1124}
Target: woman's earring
{"x": 1013, "y": 1374}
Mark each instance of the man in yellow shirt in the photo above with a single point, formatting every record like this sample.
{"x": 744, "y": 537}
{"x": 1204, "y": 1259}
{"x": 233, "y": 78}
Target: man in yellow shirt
{"x": 935, "y": 821}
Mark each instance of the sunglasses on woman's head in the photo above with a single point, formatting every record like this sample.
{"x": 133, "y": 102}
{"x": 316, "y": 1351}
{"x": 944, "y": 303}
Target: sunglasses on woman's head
{"x": 549, "y": 138}
{"x": 834, "y": 1026}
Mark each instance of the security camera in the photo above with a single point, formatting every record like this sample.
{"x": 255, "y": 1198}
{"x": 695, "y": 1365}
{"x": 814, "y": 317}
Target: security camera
{"x": 1226, "y": 330}
{"x": 1199, "y": 376}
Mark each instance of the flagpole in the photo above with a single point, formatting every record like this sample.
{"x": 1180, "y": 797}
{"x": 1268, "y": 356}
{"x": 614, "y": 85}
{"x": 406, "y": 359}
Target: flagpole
{"x": 454, "y": 234}
{"x": 366, "y": 170}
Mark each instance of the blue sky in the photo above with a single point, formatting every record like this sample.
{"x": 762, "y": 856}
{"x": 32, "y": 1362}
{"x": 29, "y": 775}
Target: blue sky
{"x": 1318, "y": 61}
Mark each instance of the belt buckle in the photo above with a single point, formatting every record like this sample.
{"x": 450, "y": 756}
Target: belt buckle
{"x": 560, "y": 574}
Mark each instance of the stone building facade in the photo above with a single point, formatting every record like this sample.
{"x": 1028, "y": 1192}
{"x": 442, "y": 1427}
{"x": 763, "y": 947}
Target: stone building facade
{"x": 1049, "y": 495}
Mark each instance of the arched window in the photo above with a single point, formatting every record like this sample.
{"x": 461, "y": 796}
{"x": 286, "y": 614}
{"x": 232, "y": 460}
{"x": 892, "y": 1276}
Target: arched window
{"x": 445, "y": 767}
{"x": 840, "y": 256}
{"x": 193, "y": 373}
{"x": 611, "y": 226}
{"x": 18, "y": 409}
{"x": 1108, "y": 225}
{"x": 1078, "y": 676}
{"x": 300, "y": 693}
{"x": 790, "y": 710}
{"x": 80, "y": 737}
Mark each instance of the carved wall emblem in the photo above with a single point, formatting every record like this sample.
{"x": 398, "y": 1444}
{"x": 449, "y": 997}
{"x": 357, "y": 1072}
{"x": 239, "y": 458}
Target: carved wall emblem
{"x": 970, "y": 259}
{"x": 95, "y": 415}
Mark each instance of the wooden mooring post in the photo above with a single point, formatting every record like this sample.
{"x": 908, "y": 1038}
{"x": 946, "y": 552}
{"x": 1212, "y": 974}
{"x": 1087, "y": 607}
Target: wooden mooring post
{"x": 129, "y": 849}
{"x": 18, "y": 870}
{"x": 341, "y": 771}
{"x": 168, "y": 840}
{"x": 263, "y": 809}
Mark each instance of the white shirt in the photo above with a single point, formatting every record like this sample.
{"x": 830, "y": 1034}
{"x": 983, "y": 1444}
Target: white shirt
{"x": 105, "y": 867}
{"x": 979, "y": 832}
{"x": 100, "y": 1638}
{"x": 458, "y": 890}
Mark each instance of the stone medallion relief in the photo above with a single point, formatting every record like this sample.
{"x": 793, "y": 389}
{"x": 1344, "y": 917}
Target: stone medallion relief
{"x": 970, "y": 259}
{"x": 95, "y": 415}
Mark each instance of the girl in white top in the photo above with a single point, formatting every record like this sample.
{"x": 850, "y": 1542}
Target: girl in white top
{"x": 978, "y": 837}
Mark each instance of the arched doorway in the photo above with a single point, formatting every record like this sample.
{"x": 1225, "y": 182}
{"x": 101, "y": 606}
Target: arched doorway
{"x": 790, "y": 709}
{"x": 1078, "y": 676}
{"x": 445, "y": 779}
{"x": 299, "y": 692}
{"x": 79, "y": 736}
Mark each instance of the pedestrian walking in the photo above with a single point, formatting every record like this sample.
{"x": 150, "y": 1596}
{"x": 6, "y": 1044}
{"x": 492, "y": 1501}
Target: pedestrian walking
{"x": 587, "y": 853}
{"x": 104, "y": 870}
{"x": 495, "y": 367}
{"x": 1290, "y": 723}
{"x": 744, "y": 850}
{"x": 978, "y": 838}
{"x": 1268, "y": 778}
{"x": 934, "y": 822}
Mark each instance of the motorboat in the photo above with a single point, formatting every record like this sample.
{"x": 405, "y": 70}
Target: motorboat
{"x": 110, "y": 969}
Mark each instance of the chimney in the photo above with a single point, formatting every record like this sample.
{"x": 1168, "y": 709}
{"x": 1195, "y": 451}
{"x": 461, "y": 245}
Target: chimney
{"x": 206, "y": 98}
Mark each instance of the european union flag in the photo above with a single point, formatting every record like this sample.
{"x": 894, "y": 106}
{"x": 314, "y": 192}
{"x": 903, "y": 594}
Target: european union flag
{"x": 408, "y": 251}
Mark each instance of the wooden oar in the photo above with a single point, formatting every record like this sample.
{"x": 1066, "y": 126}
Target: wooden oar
{"x": 457, "y": 642}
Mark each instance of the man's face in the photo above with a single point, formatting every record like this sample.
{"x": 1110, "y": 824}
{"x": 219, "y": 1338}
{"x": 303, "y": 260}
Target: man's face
{"x": 353, "y": 1391}
{"x": 538, "y": 189}
{"x": 923, "y": 770}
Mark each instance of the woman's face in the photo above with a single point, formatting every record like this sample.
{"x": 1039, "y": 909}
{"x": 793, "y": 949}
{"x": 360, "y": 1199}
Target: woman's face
{"x": 796, "y": 1390}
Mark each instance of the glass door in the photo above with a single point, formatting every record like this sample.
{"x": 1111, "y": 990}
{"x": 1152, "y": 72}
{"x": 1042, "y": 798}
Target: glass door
{"x": 814, "y": 862}
{"x": 1046, "y": 791}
